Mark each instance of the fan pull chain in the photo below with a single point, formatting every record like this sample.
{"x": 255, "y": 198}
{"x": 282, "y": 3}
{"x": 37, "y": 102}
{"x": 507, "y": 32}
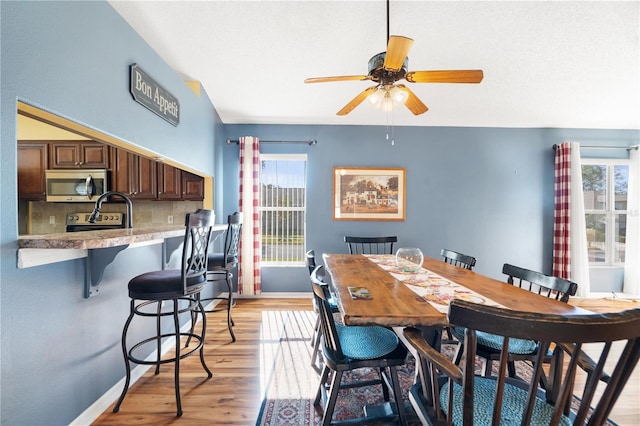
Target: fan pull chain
{"x": 390, "y": 113}
{"x": 393, "y": 141}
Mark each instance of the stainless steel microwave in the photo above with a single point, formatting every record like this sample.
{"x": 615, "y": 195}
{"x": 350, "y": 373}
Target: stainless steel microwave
{"x": 81, "y": 185}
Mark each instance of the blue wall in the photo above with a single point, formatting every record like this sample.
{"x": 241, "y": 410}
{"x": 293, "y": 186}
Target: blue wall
{"x": 483, "y": 191}
{"x": 60, "y": 352}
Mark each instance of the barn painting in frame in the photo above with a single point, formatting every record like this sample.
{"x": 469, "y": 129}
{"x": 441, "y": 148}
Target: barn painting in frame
{"x": 369, "y": 193}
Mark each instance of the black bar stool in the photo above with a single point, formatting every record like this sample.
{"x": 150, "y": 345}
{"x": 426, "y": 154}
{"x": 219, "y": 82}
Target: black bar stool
{"x": 221, "y": 266}
{"x": 182, "y": 288}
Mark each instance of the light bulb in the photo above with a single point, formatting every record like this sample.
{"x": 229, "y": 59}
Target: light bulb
{"x": 376, "y": 98}
{"x": 398, "y": 95}
{"x": 387, "y": 103}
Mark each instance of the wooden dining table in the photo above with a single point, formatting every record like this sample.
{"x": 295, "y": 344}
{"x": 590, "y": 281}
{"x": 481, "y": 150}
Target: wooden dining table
{"x": 393, "y": 304}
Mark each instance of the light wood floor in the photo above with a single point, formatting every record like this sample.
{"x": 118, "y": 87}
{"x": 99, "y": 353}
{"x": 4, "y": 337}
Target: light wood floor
{"x": 231, "y": 397}
{"x": 234, "y": 394}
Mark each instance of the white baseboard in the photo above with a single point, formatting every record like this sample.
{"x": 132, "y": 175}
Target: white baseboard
{"x": 276, "y": 295}
{"x": 100, "y": 406}
{"x": 614, "y": 296}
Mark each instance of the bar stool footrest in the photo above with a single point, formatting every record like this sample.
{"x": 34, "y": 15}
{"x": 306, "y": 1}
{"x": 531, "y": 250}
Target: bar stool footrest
{"x": 187, "y": 353}
{"x": 219, "y": 307}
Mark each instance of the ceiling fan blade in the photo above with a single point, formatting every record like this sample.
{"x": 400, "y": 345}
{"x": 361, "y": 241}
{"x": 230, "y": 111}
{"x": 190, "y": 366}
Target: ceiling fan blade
{"x": 357, "y": 100}
{"x": 397, "y": 51}
{"x": 451, "y": 76}
{"x": 338, "y": 78}
{"x": 414, "y": 104}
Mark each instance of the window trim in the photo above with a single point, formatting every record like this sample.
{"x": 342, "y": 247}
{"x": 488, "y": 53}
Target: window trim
{"x": 610, "y": 210}
{"x": 288, "y": 157}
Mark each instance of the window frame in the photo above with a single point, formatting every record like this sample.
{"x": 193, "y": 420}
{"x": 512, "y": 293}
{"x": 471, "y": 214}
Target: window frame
{"x": 610, "y": 211}
{"x": 286, "y": 157}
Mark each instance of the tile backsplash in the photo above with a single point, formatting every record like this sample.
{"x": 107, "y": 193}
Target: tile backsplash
{"x": 36, "y": 217}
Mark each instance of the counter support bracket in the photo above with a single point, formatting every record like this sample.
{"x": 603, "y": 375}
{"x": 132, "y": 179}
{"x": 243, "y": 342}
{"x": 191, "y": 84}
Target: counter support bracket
{"x": 170, "y": 245}
{"x": 96, "y": 262}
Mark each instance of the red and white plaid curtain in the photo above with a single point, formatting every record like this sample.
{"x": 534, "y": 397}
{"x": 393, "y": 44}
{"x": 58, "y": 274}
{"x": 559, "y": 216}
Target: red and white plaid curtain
{"x": 561, "y": 224}
{"x": 249, "y": 278}
{"x": 570, "y": 258}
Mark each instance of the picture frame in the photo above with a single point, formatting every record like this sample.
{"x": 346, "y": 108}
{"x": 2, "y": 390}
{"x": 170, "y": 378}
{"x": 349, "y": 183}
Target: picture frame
{"x": 369, "y": 193}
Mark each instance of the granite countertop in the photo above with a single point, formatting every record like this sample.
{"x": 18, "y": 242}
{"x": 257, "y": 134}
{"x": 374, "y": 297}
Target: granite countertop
{"x": 100, "y": 239}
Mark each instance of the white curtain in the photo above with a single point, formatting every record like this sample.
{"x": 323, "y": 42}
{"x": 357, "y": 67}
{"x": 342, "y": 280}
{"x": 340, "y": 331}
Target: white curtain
{"x": 249, "y": 273}
{"x": 632, "y": 253}
{"x": 578, "y": 253}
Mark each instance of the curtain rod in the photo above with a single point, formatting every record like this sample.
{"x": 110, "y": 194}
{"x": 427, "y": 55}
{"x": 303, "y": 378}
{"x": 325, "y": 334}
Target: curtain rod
{"x": 628, "y": 148}
{"x": 311, "y": 142}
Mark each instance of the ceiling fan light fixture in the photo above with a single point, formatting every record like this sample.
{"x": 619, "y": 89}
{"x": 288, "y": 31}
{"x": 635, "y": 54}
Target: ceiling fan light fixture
{"x": 386, "y": 98}
{"x": 387, "y": 103}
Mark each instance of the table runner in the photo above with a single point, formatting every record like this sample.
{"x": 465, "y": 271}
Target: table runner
{"x": 433, "y": 288}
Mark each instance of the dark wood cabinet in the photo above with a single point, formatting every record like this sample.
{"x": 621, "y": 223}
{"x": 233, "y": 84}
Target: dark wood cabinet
{"x": 138, "y": 177}
{"x": 79, "y": 155}
{"x": 192, "y": 186}
{"x": 32, "y": 163}
{"x": 146, "y": 176}
{"x": 134, "y": 175}
{"x": 169, "y": 182}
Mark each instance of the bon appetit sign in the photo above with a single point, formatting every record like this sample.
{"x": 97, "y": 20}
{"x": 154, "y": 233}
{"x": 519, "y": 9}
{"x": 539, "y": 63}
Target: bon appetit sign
{"x": 150, "y": 94}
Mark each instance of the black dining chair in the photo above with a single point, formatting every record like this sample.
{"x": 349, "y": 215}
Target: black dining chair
{"x": 462, "y": 261}
{"x": 181, "y": 288}
{"x": 458, "y": 259}
{"x": 370, "y": 245}
{"x": 316, "y": 355}
{"x": 490, "y": 345}
{"x": 221, "y": 266}
{"x": 448, "y": 394}
{"x": 347, "y": 348}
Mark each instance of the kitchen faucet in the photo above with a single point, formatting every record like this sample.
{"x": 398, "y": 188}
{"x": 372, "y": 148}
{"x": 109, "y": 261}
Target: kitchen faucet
{"x": 96, "y": 210}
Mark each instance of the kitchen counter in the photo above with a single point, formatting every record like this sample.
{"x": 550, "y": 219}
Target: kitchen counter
{"x": 35, "y": 250}
{"x": 99, "y": 248}
{"x": 99, "y": 239}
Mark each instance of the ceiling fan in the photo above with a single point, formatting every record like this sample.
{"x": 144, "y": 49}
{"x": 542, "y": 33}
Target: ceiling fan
{"x": 386, "y": 68}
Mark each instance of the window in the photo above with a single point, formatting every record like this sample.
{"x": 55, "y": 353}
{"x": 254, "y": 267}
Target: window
{"x": 604, "y": 183}
{"x": 283, "y": 209}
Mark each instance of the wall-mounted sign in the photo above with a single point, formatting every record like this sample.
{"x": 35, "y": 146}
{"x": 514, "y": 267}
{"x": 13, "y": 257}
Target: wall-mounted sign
{"x": 147, "y": 92}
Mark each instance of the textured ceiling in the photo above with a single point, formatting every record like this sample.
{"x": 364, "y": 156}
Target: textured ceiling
{"x": 546, "y": 64}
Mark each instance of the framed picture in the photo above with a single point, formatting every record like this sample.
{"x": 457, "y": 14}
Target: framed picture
{"x": 369, "y": 193}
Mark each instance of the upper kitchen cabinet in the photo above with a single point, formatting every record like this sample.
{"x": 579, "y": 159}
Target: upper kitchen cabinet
{"x": 79, "y": 155}
{"x": 169, "y": 182}
{"x": 192, "y": 186}
{"x": 134, "y": 175}
{"x": 176, "y": 184}
{"x": 32, "y": 163}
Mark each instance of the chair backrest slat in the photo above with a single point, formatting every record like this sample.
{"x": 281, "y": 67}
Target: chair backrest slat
{"x": 370, "y": 245}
